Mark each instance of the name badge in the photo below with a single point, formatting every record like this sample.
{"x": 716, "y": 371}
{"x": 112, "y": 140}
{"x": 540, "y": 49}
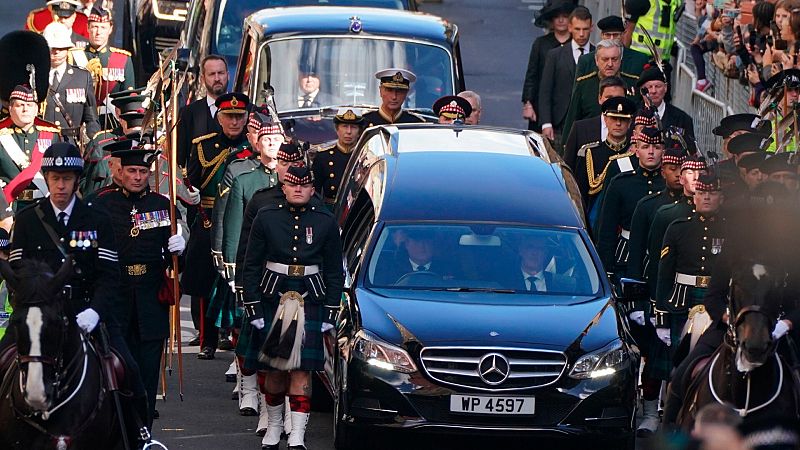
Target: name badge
{"x": 76, "y": 95}
{"x": 83, "y": 240}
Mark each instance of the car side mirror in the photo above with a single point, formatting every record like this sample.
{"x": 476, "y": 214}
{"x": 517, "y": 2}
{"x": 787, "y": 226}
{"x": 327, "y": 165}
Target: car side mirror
{"x": 633, "y": 291}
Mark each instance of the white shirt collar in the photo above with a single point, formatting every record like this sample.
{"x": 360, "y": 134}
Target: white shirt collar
{"x": 661, "y": 108}
{"x": 67, "y": 210}
{"x": 414, "y": 265}
{"x": 60, "y": 69}
{"x": 538, "y": 278}
{"x": 603, "y": 129}
{"x": 575, "y": 53}
{"x": 211, "y": 106}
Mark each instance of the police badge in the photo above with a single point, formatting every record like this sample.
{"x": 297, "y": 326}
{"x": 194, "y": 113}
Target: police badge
{"x": 716, "y": 245}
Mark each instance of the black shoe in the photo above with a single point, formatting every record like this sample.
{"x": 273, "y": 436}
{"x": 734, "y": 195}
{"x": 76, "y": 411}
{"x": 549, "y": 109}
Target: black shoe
{"x": 271, "y": 447}
{"x": 235, "y": 396}
{"x": 297, "y": 447}
{"x": 225, "y": 344}
{"x": 194, "y": 342}
{"x": 206, "y": 353}
{"x": 230, "y": 378}
{"x": 155, "y": 414}
{"x": 248, "y": 412}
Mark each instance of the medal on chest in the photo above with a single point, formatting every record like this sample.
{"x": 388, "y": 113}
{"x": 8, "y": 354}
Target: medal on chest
{"x": 309, "y": 235}
{"x": 716, "y": 245}
{"x": 83, "y": 240}
{"x": 148, "y": 220}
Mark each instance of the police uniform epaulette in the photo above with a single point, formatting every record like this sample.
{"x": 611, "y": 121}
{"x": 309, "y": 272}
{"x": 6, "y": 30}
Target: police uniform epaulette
{"x": 587, "y": 76}
{"x": 635, "y": 77}
{"x": 119, "y": 50}
{"x": 203, "y": 137}
{"x": 584, "y": 147}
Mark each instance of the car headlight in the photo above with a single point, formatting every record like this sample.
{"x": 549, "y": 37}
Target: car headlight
{"x": 375, "y": 352}
{"x": 600, "y": 363}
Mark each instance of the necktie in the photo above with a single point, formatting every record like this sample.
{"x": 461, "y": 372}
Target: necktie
{"x": 62, "y": 218}
{"x": 54, "y": 82}
{"x": 581, "y": 50}
{"x": 531, "y": 283}
{"x": 306, "y": 101}
{"x": 421, "y": 268}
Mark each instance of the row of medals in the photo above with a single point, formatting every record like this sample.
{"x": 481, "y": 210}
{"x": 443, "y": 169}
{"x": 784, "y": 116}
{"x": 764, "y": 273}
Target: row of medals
{"x": 83, "y": 239}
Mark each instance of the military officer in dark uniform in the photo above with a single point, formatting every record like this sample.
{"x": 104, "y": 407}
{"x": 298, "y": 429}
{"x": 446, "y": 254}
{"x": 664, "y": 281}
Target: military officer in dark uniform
{"x": 205, "y": 172}
{"x": 70, "y": 101}
{"x": 394, "y": 87}
{"x": 141, "y": 223}
{"x": 111, "y": 67}
{"x": 295, "y": 246}
{"x": 329, "y": 163}
{"x": 452, "y": 108}
{"x": 691, "y": 245}
{"x": 62, "y": 225}
{"x": 730, "y": 127}
{"x": 621, "y": 196}
{"x": 594, "y": 158}
{"x": 23, "y": 141}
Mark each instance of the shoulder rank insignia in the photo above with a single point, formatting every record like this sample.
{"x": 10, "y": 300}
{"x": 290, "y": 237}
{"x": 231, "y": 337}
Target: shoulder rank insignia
{"x": 119, "y": 50}
{"x": 203, "y": 137}
{"x": 587, "y": 76}
{"x": 584, "y": 147}
{"x": 664, "y": 252}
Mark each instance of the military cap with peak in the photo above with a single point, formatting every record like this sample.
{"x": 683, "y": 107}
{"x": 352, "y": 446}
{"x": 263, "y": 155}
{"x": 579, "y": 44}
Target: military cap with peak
{"x": 131, "y": 152}
{"x": 674, "y": 155}
{"x": 232, "y": 103}
{"x": 751, "y": 161}
{"x": 651, "y": 72}
{"x": 749, "y": 142}
{"x": 780, "y": 162}
{"x": 742, "y": 122}
{"x": 650, "y": 135}
{"x": 788, "y": 77}
{"x": 22, "y": 92}
{"x": 62, "y": 157}
{"x": 708, "y": 182}
{"x": 64, "y": 8}
{"x": 611, "y": 24}
{"x": 58, "y": 36}
{"x": 621, "y": 107}
{"x": 299, "y": 175}
{"x": 452, "y": 107}
{"x": 352, "y": 116}
{"x": 290, "y": 152}
{"x": 396, "y": 78}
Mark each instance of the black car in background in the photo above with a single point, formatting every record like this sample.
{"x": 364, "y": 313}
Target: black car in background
{"x": 461, "y": 344}
{"x": 150, "y": 27}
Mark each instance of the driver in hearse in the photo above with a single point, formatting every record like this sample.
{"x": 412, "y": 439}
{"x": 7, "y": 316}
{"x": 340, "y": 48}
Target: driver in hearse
{"x": 60, "y": 225}
{"x": 416, "y": 253}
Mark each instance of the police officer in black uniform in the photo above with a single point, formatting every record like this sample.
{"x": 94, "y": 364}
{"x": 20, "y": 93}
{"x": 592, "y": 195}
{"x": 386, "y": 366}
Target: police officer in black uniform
{"x": 394, "y": 87}
{"x": 141, "y": 222}
{"x": 295, "y": 247}
{"x": 329, "y": 163}
{"x": 62, "y": 224}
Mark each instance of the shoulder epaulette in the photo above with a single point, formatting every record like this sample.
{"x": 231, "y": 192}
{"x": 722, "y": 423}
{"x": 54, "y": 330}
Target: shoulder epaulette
{"x": 635, "y": 77}
{"x": 5, "y": 131}
{"x": 203, "y": 137}
{"x": 587, "y": 76}
{"x": 621, "y": 155}
{"x": 101, "y": 132}
{"x": 119, "y": 50}
{"x": 584, "y": 147}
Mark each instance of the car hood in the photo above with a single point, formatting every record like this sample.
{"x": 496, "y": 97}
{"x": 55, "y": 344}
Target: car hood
{"x": 486, "y": 319}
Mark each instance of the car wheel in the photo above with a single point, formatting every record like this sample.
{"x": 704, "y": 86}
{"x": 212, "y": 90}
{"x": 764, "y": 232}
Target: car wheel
{"x": 342, "y": 435}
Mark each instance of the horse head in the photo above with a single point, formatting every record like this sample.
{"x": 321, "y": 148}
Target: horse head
{"x": 40, "y": 321}
{"x": 753, "y": 302}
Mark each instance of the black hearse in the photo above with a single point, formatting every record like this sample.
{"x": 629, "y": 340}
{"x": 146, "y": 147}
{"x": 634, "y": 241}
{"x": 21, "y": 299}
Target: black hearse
{"x": 474, "y": 298}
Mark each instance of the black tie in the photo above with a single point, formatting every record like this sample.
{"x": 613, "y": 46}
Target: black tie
{"x": 62, "y": 218}
{"x": 307, "y": 101}
{"x": 56, "y": 79}
{"x": 580, "y": 49}
{"x": 532, "y": 280}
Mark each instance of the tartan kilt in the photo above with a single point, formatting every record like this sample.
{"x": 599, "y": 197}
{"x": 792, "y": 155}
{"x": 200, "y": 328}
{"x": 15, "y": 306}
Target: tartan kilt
{"x": 660, "y": 363}
{"x": 219, "y": 306}
{"x": 251, "y": 340}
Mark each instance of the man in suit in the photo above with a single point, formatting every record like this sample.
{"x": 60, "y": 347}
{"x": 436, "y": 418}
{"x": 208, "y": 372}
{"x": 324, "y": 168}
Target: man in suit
{"x": 558, "y": 75}
{"x": 309, "y": 94}
{"x": 197, "y": 118}
{"x": 653, "y": 83}
{"x": 535, "y": 251}
{"x": 592, "y": 129}
{"x": 70, "y": 101}
{"x": 417, "y": 253}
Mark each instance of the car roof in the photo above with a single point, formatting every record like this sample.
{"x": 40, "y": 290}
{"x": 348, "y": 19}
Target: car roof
{"x": 506, "y": 180}
{"x": 307, "y": 20}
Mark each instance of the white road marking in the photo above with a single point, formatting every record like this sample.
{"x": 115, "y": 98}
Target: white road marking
{"x": 34, "y": 389}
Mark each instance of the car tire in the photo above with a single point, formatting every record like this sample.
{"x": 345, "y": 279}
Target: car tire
{"x": 342, "y": 434}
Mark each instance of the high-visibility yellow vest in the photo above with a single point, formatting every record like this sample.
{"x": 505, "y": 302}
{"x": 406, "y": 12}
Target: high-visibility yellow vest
{"x": 659, "y": 22}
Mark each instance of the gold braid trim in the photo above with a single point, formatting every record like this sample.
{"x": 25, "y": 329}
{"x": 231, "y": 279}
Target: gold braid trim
{"x": 596, "y": 182}
{"x": 216, "y": 162}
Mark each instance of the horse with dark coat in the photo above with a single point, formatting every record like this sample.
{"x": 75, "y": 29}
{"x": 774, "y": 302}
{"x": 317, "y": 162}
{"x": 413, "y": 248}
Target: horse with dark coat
{"x": 53, "y": 393}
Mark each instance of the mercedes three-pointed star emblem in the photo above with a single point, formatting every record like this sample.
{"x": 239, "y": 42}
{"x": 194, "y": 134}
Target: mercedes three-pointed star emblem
{"x": 493, "y": 369}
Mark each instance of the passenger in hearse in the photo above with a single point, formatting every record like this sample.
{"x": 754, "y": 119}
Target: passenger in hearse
{"x": 536, "y": 253}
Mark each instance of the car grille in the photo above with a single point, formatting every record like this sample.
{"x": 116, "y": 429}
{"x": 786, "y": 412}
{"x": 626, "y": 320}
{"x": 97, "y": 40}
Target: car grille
{"x": 162, "y": 43}
{"x": 471, "y": 367}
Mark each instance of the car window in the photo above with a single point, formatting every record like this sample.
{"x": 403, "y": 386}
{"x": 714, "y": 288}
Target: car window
{"x": 228, "y": 29}
{"x": 344, "y": 70}
{"x": 533, "y": 260}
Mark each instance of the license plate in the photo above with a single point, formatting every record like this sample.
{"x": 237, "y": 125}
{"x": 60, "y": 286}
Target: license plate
{"x": 478, "y": 404}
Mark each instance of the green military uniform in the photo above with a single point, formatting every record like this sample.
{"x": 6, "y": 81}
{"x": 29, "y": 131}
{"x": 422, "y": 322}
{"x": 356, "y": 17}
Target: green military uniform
{"x": 583, "y": 103}
{"x": 113, "y": 71}
{"x": 96, "y": 173}
{"x": 20, "y": 150}
{"x": 621, "y": 196}
{"x": 243, "y": 162}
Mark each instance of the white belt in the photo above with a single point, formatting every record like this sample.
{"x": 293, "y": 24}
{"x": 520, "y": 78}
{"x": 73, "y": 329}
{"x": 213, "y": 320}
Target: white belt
{"x": 692, "y": 280}
{"x": 292, "y": 270}
{"x": 626, "y": 234}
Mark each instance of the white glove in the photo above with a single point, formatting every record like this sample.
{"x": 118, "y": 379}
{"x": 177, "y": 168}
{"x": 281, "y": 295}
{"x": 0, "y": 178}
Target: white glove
{"x": 258, "y": 323}
{"x": 326, "y": 326}
{"x": 87, "y": 319}
{"x": 232, "y": 284}
{"x": 176, "y": 243}
{"x": 194, "y": 195}
{"x": 638, "y": 317}
{"x": 781, "y": 328}
{"x": 653, "y": 321}
{"x": 664, "y": 335}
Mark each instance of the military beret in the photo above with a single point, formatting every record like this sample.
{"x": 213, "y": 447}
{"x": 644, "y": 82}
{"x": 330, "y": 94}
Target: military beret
{"x": 651, "y": 72}
{"x": 708, "y": 182}
{"x": 621, "y": 107}
{"x": 290, "y": 152}
{"x": 299, "y": 175}
{"x": 751, "y": 161}
{"x": 452, "y": 107}
{"x": 749, "y": 142}
{"x": 611, "y": 23}
{"x": 232, "y": 103}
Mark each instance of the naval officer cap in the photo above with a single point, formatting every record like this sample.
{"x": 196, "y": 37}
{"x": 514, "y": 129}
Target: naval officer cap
{"x": 62, "y": 157}
{"x": 353, "y": 116}
{"x": 452, "y": 107}
{"x": 620, "y": 107}
{"x": 395, "y": 78}
{"x": 64, "y": 8}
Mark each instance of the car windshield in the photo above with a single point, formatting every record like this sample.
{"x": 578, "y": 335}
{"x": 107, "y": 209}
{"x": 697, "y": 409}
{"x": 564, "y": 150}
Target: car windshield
{"x": 312, "y": 73}
{"x": 481, "y": 257}
{"x": 228, "y": 29}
